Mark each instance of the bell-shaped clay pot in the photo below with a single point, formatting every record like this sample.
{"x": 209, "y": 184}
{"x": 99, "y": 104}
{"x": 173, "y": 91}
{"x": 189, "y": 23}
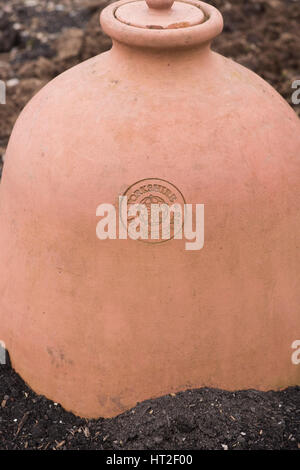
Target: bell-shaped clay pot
{"x": 100, "y": 324}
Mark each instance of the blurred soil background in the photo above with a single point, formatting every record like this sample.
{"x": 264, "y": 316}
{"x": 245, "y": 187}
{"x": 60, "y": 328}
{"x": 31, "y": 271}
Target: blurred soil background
{"x": 40, "y": 39}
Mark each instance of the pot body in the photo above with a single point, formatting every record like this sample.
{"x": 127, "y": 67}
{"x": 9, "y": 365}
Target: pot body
{"x": 98, "y": 325}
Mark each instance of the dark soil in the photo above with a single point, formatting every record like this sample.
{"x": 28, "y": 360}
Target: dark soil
{"x": 195, "y": 419}
{"x": 40, "y": 39}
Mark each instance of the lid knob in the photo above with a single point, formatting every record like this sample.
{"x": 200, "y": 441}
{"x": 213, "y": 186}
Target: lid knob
{"x": 160, "y": 4}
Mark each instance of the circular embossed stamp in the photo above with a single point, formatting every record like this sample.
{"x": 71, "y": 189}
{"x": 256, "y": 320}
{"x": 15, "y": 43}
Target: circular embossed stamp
{"x": 161, "y": 209}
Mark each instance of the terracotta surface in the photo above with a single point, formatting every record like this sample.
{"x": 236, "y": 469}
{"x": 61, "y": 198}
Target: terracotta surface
{"x": 139, "y": 14}
{"x": 98, "y": 325}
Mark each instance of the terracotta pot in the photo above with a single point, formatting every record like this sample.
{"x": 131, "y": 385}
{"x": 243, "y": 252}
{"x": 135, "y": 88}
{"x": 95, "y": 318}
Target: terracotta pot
{"x": 98, "y": 325}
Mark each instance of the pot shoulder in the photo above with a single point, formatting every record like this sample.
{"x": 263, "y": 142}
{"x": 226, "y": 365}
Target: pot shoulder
{"x": 100, "y": 122}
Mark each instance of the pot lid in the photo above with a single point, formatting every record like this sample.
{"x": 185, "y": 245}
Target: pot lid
{"x": 161, "y": 24}
{"x": 159, "y": 14}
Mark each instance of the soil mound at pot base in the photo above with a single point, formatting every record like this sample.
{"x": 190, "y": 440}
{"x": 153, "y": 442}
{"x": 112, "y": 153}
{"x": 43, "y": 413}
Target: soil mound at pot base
{"x": 195, "y": 419}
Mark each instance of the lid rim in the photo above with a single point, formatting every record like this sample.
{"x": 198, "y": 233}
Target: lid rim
{"x": 181, "y": 14}
{"x": 183, "y": 37}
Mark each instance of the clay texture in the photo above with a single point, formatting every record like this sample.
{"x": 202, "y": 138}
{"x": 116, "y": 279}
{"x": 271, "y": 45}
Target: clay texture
{"x": 120, "y": 321}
